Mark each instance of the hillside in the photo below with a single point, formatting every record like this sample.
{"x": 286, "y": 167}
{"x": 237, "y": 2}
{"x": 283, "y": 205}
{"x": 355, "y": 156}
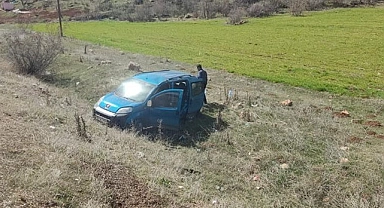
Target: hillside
{"x": 323, "y": 151}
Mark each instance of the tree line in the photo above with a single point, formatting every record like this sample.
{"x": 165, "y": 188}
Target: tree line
{"x": 235, "y": 10}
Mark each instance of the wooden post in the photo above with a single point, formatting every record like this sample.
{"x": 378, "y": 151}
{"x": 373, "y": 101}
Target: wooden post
{"x": 59, "y": 13}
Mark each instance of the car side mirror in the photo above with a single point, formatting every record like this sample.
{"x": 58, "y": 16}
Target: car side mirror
{"x": 149, "y": 103}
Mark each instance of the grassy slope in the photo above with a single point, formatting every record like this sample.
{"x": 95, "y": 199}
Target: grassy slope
{"x": 337, "y": 50}
{"x": 239, "y": 166}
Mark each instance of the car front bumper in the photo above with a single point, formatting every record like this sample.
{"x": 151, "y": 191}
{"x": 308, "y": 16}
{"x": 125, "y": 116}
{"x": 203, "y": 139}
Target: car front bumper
{"x": 109, "y": 118}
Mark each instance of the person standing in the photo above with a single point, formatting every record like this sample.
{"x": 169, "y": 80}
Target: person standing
{"x": 202, "y": 74}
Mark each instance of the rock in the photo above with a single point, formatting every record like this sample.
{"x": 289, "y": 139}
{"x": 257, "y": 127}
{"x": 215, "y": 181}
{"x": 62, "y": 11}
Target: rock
{"x": 344, "y": 148}
{"x": 284, "y": 166}
{"x": 106, "y": 62}
{"x": 343, "y": 160}
{"x": 187, "y": 16}
{"x": 238, "y": 106}
{"x": 132, "y": 66}
{"x": 140, "y": 154}
{"x": 287, "y": 103}
{"x": 256, "y": 178}
{"x": 344, "y": 112}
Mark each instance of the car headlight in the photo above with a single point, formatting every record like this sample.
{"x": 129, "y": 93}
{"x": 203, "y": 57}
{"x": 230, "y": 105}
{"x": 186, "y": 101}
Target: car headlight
{"x": 98, "y": 102}
{"x": 124, "y": 110}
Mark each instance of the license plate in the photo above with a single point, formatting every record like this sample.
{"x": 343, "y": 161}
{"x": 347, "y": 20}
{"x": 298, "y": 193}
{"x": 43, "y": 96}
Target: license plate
{"x": 102, "y": 119}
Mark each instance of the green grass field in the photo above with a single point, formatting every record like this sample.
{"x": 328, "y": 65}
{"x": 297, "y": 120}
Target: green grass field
{"x": 339, "y": 51}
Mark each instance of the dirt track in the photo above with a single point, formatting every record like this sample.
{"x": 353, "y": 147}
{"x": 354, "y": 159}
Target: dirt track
{"x": 36, "y": 15}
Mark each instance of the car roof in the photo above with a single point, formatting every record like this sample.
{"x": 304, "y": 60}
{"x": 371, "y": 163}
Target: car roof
{"x": 157, "y": 77}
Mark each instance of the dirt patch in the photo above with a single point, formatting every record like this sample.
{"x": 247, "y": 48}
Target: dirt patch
{"x": 371, "y": 116}
{"x": 126, "y": 189}
{"x": 342, "y": 114}
{"x": 329, "y": 108}
{"x": 371, "y": 133}
{"x": 380, "y": 136}
{"x": 38, "y": 15}
{"x": 373, "y": 123}
{"x": 354, "y": 140}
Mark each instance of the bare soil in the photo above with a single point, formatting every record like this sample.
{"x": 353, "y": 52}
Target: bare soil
{"x": 38, "y": 15}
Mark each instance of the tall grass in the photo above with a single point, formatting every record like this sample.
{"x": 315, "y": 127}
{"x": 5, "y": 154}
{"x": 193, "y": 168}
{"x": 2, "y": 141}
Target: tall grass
{"x": 339, "y": 50}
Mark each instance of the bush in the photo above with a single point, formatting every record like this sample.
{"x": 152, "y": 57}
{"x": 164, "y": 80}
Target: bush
{"x": 223, "y": 7}
{"x": 207, "y": 9}
{"x": 316, "y": 4}
{"x": 297, "y": 7}
{"x": 235, "y": 16}
{"x": 143, "y": 13}
{"x": 261, "y": 9}
{"x": 31, "y": 52}
{"x": 105, "y": 6}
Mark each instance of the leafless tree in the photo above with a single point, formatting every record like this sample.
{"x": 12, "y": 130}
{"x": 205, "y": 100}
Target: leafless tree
{"x": 223, "y": 7}
{"x": 143, "y": 13}
{"x": 187, "y": 6}
{"x": 162, "y": 8}
{"x": 207, "y": 9}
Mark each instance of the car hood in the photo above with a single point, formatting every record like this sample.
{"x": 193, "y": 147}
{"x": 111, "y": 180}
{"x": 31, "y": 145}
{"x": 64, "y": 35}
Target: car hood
{"x": 113, "y": 103}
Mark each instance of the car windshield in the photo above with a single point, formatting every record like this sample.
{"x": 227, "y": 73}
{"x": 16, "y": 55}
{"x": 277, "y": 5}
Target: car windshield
{"x": 134, "y": 89}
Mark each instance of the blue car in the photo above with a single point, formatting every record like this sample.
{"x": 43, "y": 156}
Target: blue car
{"x": 163, "y": 99}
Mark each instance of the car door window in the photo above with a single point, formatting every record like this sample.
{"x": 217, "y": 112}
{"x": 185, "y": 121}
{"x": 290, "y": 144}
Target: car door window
{"x": 180, "y": 85}
{"x": 162, "y": 87}
{"x": 166, "y": 100}
{"x": 197, "y": 88}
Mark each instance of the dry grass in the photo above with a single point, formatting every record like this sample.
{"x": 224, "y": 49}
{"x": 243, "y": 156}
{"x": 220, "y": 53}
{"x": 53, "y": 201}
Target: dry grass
{"x": 263, "y": 155}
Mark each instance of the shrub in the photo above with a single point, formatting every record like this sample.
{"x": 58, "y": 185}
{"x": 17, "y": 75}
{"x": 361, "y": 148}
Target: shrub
{"x": 316, "y": 4}
{"x": 352, "y": 3}
{"x": 261, "y": 9}
{"x": 105, "y": 6}
{"x": 223, "y": 7}
{"x": 235, "y": 16}
{"x": 32, "y": 52}
{"x": 207, "y": 9}
{"x": 143, "y": 13}
{"x": 297, "y": 7}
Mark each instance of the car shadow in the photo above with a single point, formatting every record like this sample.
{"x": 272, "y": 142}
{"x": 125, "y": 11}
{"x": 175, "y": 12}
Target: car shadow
{"x": 59, "y": 80}
{"x": 194, "y": 131}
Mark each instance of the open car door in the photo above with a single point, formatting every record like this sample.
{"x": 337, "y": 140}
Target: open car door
{"x": 196, "y": 101}
{"x": 165, "y": 109}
